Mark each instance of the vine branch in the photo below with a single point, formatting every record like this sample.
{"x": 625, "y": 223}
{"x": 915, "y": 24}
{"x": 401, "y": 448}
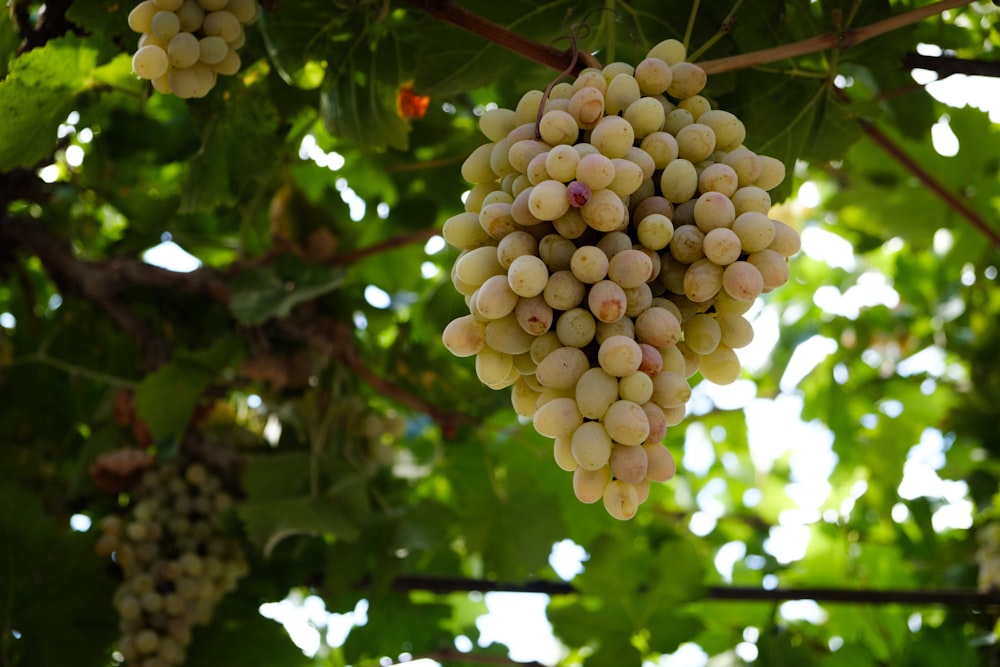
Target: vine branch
{"x": 447, "y": 11}
{"x": 945, "y": 66}
{"x": 843, "y": 39}
{"x": 955, "y": 598}
{"x": 950, "y": 198}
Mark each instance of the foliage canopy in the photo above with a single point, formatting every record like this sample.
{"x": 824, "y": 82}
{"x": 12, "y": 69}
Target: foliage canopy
{"x": 303, "y": 357}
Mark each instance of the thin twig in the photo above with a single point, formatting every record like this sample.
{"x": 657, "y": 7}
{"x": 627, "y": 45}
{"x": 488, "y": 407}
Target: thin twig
{"x": 724, "y": 29}
{"x": 956, "y": 598}
{"x": 389, "y": 244}
{"x": 832, "y": 40}
{"x": 448, "y": 12}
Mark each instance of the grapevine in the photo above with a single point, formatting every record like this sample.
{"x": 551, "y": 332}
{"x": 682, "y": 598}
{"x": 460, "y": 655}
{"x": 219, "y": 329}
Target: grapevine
{"x": 616, "y": 233}
{"x": 175, "y": 560}
{"x": 186, "y": 44}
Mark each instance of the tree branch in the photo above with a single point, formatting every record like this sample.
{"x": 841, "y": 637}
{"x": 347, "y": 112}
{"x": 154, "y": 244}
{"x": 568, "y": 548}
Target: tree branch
{"x": 945, "y": 66}
{"x": 448, "y": 12}
{"x": 954, "y": 598}
{"x": 833, "y": 40}
{"x": 925, "y": 177}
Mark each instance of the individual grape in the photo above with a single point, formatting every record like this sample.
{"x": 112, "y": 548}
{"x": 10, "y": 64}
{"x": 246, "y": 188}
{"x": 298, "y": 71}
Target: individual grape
{"x": 655, "y": 231}
{"x": 245, "y": 11}
{"x": 464, "y": 336}
{"x": 637, "y": 387}
{"x": 713, "y": 210}
{"x": 613, "y": 243}
{"x": 184, "y": 82}
{"x": 150, "y": 62}
{"x": 514, "y": 245}
{"x": 589, "y": 485}
{"x": 786, "y": 240}
{"x": 527, "y": 276}
{"x": 622, "y": 92}
{"x": 497, "y": 220}
{"x": 164, "y": 25}
{"x": 495, "y": 298}
{"x": 579, "y": 195}
{"x": 589, "y": 264}
{"x": 548, "y": 200}
{"x": 719, "y": 178}
{"x": 497, "y": 123}
{"x": 695, "y": 142}
{"x": 742, "y": 281}
{"x": 464, "y": 232}
{"x": 223, "y": 24}
{"x": 670, "y": 51}
{"x": 679, "y": 181}
{"x": 140, "y": 19}
{"x": 561, "y": 368}
{"x": 562, "y": 452}
{"x": 493, "y": 366}
{"x": 692, "y": 360}
{"x": 571, "y": 225}
{"x": 613, "y": 136}
{"x": 721, "y": 366}
{"x": 653, "y": 76}
{"x": 772, "y": 266}
{"x": 726, "y": 304}
{"x": 703, "y": 280}
{"x": 721, "y": 246}
{"x": 756, "y": 231}
{"x": 745, "y": 163}
{"x": 534, "y": 315}
{"x": 621, "y": 500}
{"x": 702, "y": 334}
{"x": 772, "y": 173}
{"x": 645, "y": 115}
{"x": 628, "y": 178}
{"x": 476, "y": 168}
{"x": 657, "y": 422}
{"x": 661, "y": 148}
{"x": 595, "y": 391}
{"x": 676, "y": 120}
{"x": 595, "y": 170}
{"x": 688, "y": 80}
{"x": 561, "y": 163}
{"x": 687, "y": 244}
{"x": 506, "y": 335}
{"x": 587, "y": 106}
{"x": 628, "y": 463}
{"x": 563, "y": 291}
{"x": 751, "y": 198}
{"x": 522, "y": 152}
{"x": 607, "y": 301}
{"x": 476, "y": 266}
{"x": 728, "y": 129}
{"x": 637, "y": 300}
{"x": 660, "y": 465}
{"x": 576, "y": 327}
{"x": 591, "y": 446}
{"x": 630, "y": 268}
{"x": 657, "y": 327}
{"x": 183, "y": 50}
{"x": 556, "y": 252}
{"x": 604, "y": 211}
{"x": 736, "y": 330}
{"x": 558, "y": 127}
{"x": 652, "y": 359}
{"x": 229, "y": 65}
{"x": 626, "y": 422}
{"x": 557, "y": 418}
{"x": 623, "y": 327}
{"x": 670, "y": 389}
{"x": 619, "y": 355}
{"x": 191, "y": 15}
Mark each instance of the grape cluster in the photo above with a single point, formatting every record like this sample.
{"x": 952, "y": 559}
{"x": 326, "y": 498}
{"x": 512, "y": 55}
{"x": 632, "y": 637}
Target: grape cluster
{"x": 186, "y": 44}
{"x": 175, "y": 560}
{"x": 610, "y": 248}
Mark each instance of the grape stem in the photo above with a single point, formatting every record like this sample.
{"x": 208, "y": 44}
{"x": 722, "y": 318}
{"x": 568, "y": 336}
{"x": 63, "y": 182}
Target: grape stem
{"x": 448, "y": 12}
{"x": 843, "y": 39}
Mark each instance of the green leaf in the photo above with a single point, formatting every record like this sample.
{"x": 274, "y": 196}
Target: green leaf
{"x": 39, "y": 92}
{"x": 166, "y": 398}
{"x": 273, "y": 291}
{"x": 358, "y": 102}
{"x": 40, "y": 562}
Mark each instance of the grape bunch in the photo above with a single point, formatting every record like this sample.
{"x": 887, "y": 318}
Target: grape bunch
{"x": 186, "y": 44}
{"x": 175, "y": 560}
{"x": 610, "y": 247}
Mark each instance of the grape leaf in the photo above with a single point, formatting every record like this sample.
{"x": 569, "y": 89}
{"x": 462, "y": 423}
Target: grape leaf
{"x": 300, "y": 35}
{"x": 39, "y": 92}
{"x": 273, "y": 291}
{"x": 166, "y": 398}
{"x": 39, "y": 562}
